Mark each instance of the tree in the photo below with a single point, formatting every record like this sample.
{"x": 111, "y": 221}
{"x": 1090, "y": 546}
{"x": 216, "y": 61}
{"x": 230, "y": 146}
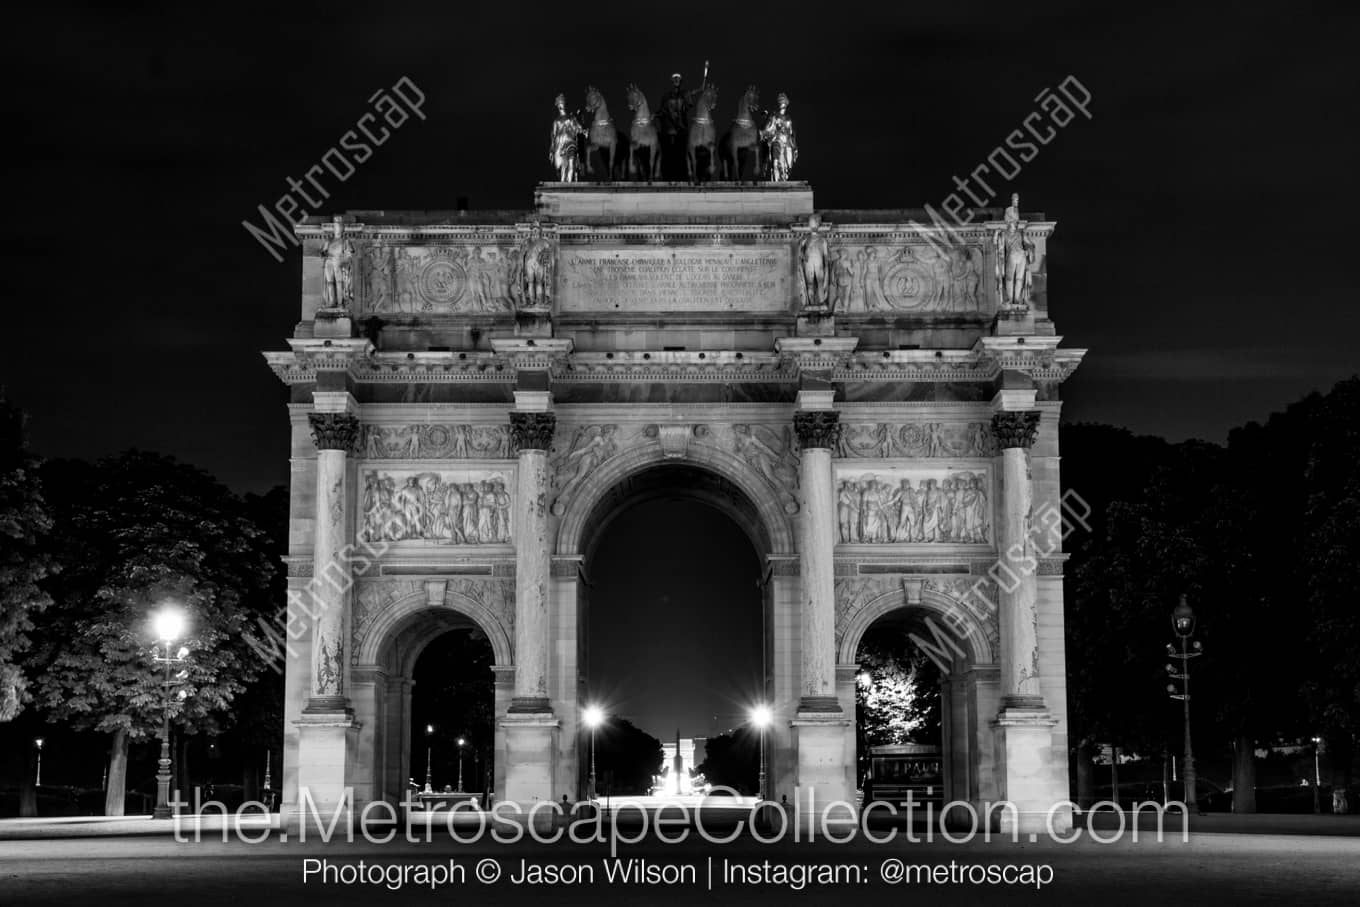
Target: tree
{"x": 733, "y": 759}
{"x": 626, "y": 757}
{"x": 899, "y": 701}
{"x": 24, "y": 524}
{"x": 135, "y": 532}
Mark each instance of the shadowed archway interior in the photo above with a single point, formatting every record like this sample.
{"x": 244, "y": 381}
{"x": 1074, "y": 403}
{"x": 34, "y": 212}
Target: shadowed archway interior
{"x": 674, "y": 628}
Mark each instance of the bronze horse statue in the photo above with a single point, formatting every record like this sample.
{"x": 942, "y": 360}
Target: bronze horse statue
{"x": 602, "y": 136}
{"x": 701, "y": 132}
{"x": 642, "y": 133}
{"x": 743, "y": 135}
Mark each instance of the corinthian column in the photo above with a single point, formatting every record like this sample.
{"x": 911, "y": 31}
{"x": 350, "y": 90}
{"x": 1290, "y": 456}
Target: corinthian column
{"x": 817, "y": 432}
{"x": 531, "y": 433}
{"x": 1015, "y": 432}
{"x": 336, "y": 435}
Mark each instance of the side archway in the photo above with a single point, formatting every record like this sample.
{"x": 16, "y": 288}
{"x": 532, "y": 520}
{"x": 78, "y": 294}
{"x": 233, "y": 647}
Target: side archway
{"x": 860, "y": 604}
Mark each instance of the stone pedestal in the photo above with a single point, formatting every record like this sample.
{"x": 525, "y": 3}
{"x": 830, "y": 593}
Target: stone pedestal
{"x": 530, "y": 763}
{"x": 333, "y": 323}
{"x": 326, "y": 747}
{"x": 1024, "y": 757}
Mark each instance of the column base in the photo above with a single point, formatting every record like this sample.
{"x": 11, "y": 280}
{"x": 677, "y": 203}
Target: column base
{"x": 1024, "y": 742}
{"x": 327, "y": 746}
{"x": 530, "y": 758}
{"x": 822, "y": 774}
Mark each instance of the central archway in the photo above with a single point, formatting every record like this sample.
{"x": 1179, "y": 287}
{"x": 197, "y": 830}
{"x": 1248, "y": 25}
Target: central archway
{"x": 690, "y": 652}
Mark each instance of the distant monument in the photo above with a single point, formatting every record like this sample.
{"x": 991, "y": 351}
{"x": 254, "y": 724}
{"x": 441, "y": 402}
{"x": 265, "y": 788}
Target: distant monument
{"x": 677, "y": 760}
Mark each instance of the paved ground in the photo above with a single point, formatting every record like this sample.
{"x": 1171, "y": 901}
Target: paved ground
{"x": 1209, "y": 869}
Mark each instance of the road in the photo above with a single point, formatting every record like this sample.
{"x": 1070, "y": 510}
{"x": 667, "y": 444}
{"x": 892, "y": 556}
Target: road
{"x": 1209, "y": 869}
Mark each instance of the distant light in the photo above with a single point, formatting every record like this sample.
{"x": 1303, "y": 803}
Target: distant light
{"x": 865, "y": 679}
{"x": 38, "y": 742}
{"x": 169, "y": 624}
{"x": 593, "y": 716}
{"x": 761, "y": 716}
{"x": 429, "y": 728}
{"x": 462, "y": 741}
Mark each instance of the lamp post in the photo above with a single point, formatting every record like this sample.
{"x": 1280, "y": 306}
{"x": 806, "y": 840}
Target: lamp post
{"x": 268, "y": 781}
{"x": 1183, "y": 623}
{"x": 462, "y": 742}
{"x": 1317, "y": 777}
{"x": 38, "y": 744}
{"x": 761, "y": 718}
{"x": 429, "y": 764}
{"x": 168, "y": 625}
{"x": 593, "y": 717}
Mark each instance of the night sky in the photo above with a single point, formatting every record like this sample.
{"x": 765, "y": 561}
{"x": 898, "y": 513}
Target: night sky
{"x": 1204, "y": 253}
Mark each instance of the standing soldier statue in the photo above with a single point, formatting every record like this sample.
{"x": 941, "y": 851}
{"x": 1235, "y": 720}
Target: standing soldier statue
{"x": 778, "y": 134}
{"x": 337, "y": 253}
{"x": 563, "y": 146}
{"x": 814, "y": 253}
{"x": 1014, "y": 256}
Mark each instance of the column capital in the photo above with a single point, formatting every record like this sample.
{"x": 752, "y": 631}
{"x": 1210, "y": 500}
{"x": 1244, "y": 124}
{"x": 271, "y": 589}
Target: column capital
{"x": 1016, "y": 428}
{"x": 532, "y": 431}
{"x": 334, "y": 431}
{"x": 817, "y": 428}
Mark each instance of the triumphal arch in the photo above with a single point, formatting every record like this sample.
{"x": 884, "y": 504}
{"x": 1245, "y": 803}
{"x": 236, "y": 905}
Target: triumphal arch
{"x": 871, "y": 395}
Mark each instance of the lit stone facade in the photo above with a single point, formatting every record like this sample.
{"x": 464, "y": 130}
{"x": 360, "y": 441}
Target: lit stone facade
{"x": 462, "y": 429}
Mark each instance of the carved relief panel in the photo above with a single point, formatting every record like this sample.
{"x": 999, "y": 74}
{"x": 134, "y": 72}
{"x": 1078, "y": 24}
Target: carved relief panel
{"x": 449, "y": 507}
{"x": 914, "y": 505}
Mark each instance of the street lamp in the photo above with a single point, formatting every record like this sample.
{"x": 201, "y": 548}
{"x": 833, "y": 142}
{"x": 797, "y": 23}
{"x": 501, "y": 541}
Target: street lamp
{"x": 168, "y": 624}
{"x": 462, "y": 742}
{"x": 1317, "y": 775}
{"x": 593, "y": 718}
{"x": 761, "y": 716}
{"x": 429, "y": 765}
{"x": 38, "y": 744}
{"x": 1183, "y": 623}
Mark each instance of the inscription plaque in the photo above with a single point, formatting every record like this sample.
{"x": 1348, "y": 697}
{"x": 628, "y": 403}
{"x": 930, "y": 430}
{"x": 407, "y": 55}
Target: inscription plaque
{"x": 669, "y": 280}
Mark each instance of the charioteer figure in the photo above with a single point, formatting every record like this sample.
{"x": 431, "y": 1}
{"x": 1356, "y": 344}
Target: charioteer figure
{"x": 564, "y": 144}
{"x": 783, "y": 144}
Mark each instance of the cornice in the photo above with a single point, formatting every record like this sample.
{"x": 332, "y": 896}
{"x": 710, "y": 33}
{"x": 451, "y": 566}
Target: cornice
{"x": 1041, "y": 361}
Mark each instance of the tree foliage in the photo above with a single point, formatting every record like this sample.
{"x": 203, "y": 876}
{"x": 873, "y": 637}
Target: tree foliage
{"x": 24, "y": 560}
{"x": 134, "y": 533}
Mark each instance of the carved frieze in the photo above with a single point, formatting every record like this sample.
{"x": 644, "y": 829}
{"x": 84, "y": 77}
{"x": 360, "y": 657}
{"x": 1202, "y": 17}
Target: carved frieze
{"x": 916, "y": 439}
{"x": 451, "y": 507}
{"x": 443, "y": 442}
{"x": 914, "y": 506}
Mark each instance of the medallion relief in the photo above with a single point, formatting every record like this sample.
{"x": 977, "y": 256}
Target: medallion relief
{"x": 462, "y": 279}
{"x": 914, "y": 278}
